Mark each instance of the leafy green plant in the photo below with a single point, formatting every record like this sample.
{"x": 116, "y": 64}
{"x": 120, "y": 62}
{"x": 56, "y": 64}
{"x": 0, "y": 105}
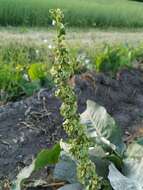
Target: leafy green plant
{"x": 46, "y": 157}
{"x": 23, "y": 70}
{"x": 94, "y": 151}
{"x": 39, "y": 72}
{"x": 61, "y": 71}
{"x": 126, "y": 162}
{"x": 13, "y": 83}
{"x": 112, "y": 59}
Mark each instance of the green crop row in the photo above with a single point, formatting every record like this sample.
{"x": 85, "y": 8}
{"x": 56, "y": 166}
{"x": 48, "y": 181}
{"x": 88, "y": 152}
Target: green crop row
{"x": 79, "y": 13}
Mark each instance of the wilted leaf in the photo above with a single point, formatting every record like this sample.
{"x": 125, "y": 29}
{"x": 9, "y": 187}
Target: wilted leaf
{"x": 131, "y": 177}
{"x": 24, "y": 174}
{"x": 46, "y": 157}
{"x": 102, "y": 127}
{"x": 103, "y": 159}
{"x": 135, "y": 149}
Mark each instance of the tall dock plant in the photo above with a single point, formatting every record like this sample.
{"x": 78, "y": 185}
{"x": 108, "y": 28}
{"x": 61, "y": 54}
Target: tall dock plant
{"x": 62, "y": 70}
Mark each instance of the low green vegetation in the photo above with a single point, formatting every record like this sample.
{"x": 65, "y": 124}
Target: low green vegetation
{"x": 94, "y": 152}
{"x": 25, "y": 68}
{"x": 81, "y": 13}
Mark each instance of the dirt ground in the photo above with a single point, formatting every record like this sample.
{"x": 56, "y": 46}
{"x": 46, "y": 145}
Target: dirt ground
{"x": 34, "y": 123}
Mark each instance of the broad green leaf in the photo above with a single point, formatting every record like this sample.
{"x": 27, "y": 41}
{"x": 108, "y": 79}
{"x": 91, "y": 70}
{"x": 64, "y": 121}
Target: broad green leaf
{"x": 37, "y": 71}
{"x": 101, "y": 127}
{"x": 46, "y": 157}
{"x": 116, "y": 159}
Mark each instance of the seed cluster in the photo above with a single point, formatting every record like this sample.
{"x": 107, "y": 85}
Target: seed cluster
{"x": 62, "y": 70}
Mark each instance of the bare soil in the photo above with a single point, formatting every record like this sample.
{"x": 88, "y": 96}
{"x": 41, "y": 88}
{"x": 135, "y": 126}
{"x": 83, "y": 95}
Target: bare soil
{"x": 34, "y": 123}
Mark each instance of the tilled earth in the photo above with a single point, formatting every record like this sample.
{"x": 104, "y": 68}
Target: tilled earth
{"x": 34, "y": 123}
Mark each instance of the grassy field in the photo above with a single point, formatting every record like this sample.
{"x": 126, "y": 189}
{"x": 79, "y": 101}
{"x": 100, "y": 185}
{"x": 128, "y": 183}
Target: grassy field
{"x": 86, "y": 39}
{"x": 81, "y": 13}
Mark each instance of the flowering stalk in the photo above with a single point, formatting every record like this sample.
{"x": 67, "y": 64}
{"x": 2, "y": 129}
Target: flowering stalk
{"x": 62, "y": 70}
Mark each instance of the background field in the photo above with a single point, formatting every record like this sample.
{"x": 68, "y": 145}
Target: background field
{"x": 81, "y": 13}
{"x": 26, "y": 57}
{"x": 101, "y": 35}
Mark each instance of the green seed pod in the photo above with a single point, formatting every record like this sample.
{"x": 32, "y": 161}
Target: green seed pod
{"x": 61, "y": 71}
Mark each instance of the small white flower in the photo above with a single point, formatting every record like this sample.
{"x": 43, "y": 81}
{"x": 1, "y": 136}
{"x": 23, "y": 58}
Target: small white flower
{"x": 25, "y": 76}
{"x": 53, "y": 22}
{"x": 45, "y": 40}
{"x": 87, "y": 61}
{"x": 50, "y": 46}
{"x": 37, "y": 51}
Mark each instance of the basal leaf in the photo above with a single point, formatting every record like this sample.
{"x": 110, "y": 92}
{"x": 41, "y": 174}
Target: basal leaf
{"x": 132, "y": 180}
{"x": 131, "y": 177}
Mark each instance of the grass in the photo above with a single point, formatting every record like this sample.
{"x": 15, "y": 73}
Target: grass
{"x": 83, "y": 13}
{"x": 75, "y": 36}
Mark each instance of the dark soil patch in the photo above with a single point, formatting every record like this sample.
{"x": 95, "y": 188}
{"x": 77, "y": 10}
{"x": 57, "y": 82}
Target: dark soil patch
{"x": 35, "y": 123}
{"x": 122, "y": 97}
{"x": 25, "y": 128}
